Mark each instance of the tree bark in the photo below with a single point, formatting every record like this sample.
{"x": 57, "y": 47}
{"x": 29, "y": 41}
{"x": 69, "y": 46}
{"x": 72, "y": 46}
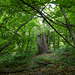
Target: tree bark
{"x": 41, "y": 48}
{"x": 45, "y": 41}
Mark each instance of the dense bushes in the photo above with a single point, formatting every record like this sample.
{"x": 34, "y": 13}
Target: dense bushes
{"x": 64, "y": 56}
{"x": 15, "y": 59}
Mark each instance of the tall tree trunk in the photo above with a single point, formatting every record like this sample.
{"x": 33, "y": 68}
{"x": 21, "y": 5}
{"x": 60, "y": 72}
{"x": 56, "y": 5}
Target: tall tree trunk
{"x": 41, "y": 48}
{"x": 45, "y": 41}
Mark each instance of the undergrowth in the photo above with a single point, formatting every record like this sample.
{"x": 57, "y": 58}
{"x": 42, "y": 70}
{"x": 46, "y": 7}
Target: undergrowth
{"x": 64, "y": 56}
{"x": 9, "y": 60}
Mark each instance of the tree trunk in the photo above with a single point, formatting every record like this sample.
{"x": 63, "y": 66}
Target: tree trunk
{"x": 45, "y": 41}
{"x": 41, "y": 48}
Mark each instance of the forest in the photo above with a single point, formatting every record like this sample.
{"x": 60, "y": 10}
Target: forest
{"x": 37, "y": 37}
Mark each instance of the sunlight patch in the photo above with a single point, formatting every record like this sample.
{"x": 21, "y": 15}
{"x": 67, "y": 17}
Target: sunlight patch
{"x": 53, "y": 5}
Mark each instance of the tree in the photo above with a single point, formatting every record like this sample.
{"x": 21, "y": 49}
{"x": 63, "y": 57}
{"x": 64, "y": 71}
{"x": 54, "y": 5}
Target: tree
{"x": 41, "y": 47}
{"x": 45, "y": 40}
{"x": 45, "y": 18}
{"x": 15, "y": 14}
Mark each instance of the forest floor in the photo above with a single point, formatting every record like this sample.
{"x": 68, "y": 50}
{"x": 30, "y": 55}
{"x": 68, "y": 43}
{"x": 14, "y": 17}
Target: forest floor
{"x": 43, "y": 64}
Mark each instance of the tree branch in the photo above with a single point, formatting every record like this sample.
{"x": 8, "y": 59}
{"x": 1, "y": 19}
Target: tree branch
{"x": 46, "y": 21}
{"x": 62, "y": 24}
{"x": 68, "y": 26}
{"x": 58, "y": 32}
{"x": 6, "y": 44}
{"x": 11, "y": 31}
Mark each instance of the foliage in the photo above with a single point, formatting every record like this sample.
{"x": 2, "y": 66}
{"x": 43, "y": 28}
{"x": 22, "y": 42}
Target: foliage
{"x": 66, "y": 55}
{"x": 20, "y": 21}
{"x": 15, "y": 59}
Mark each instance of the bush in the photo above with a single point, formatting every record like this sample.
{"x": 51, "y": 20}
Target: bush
{"x": 66, "y": 55}
{"x": 15, "y": 60}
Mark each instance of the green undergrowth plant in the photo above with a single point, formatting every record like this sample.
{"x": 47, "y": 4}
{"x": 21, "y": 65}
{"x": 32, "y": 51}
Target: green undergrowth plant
{"x": 62, "y": 57}
{"x": 43, "y": 60}
{"x": 66, "y": 55}
{"x": 9, "y": 60}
